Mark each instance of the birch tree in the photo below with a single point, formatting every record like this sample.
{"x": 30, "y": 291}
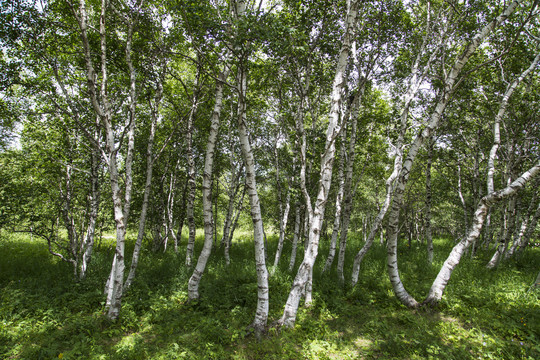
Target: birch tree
{"x": 439, "y": 285}
{"x": 193, "y": 285}
{"x": 418, "y": 73}
{"x": 450, "y": 83}
{"x": 317, "y": 213}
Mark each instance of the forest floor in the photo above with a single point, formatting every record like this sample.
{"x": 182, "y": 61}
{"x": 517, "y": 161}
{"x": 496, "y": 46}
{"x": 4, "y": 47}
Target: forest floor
{"x": 45, "y": 314}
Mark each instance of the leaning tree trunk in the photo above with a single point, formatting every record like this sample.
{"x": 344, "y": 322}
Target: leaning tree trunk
{"x": 376, "y": 222}
{"x": 305, "y": 270}
{"x": 195, "y": 279}
{"x": 439, "y": 285}
{"x": 261, "y": 314}
{"x": 337, "y": 215}
{"x": 147, "y": 188}
{"x": 451, "y": 81}
{"x": 491, "y": 162}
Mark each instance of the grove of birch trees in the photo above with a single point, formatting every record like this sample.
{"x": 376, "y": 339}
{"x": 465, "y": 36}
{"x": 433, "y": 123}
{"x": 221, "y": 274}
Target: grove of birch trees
{"x": 400, "y": 121}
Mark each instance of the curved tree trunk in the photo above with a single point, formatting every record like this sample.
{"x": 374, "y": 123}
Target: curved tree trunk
{"x": 306, "y": 268}
{"x": 194, "y": 280}
{"x": 337, "y": 215}
{"x": 445, "y": 96}
{"x": 439, "y": 285}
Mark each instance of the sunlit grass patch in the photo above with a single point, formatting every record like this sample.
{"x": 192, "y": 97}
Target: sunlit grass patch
{"x": 44, "y": 312}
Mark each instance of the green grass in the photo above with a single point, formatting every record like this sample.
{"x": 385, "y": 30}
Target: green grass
{"x": 45, "y": 314}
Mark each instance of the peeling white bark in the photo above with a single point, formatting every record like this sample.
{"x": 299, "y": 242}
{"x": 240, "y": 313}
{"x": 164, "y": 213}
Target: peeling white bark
{"x": 306, "y": 267}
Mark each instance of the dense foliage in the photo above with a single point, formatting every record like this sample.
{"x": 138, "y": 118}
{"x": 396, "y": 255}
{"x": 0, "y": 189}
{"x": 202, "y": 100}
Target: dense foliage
{"x": 316, "y": 144}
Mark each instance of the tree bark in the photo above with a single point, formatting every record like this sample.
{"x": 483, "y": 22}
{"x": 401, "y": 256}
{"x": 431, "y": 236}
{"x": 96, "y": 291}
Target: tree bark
{"x": 147, "y": 187}
{"x": 451, "y": 81}
{"x": 191, "y": 175}
{"x": 234, "y": 187}
{"x": 193, "y": 284}
{"x": 101, "y": 106}
{"x": 337, "y": 214}
{"x": 88, "y": 242}
{"x": 296, "y": 235}
{"x": 282, "y": 229}
{"x": 305, "y": 270}
{"x": 348, "y": 193}
{"x": 429, "y": 239}
{"x": 439, "y": 285}
{"x": 261, "y": 314}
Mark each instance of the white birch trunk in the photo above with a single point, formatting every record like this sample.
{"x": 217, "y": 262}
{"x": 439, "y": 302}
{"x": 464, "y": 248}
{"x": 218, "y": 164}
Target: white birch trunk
{"x": 236, "y": 216}
{"x": 347, "y": 186}
{"x": 102, "y": 108}
{"x": 296, "y": 236}
{"x": 261, "y": 314}
{"x": 195, "y": 279}
{"x": 416, "y": 78}
{"x": 147, "y": 189}
{"x": 439, "y": 285}
{"x": 88, "y": 242}
{"x": 376, "y": 222}
{"x": 306, "y": 267}
{"x": 445, "y": 96}
{"x": 117, "y": 271}
{"x": 191, "y": 180}
{"x": 282, "y": 228}
{"x": 429, "y": 239}
{"x": 337, "y": 215}
{"x": 170, "y": 208}
{"x": 498, "y": 118}
{"x": 234, "y": 187}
